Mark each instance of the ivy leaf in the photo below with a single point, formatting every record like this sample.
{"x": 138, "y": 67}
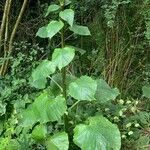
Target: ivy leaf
{"x": 52, "y": 8}
{"x": 67, "y": 15}
{"x": 83, "y": 88}
{"x": 44, "y": 109}
{"x": 104, "y": 92}
{"x": 58, "y": 141}
{"x": 81, "y": 30}
{"x": 42, "y": 32}
{"x": 39, "y": 75}
{"x": 99, "y": 132}
{"x": 146, "y": 91}
{"x": 63, "y": 56}
{"x": 39, "y": 132}
{"x": 53, "y": 28}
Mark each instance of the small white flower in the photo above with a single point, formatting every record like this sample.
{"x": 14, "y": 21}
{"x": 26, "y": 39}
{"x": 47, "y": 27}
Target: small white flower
{"x": 130, "y": 132}
{"x": 121, "y": 101}
{"x": 128, "y": 125}
{"x": 136, "y": 125}
{"x": 128, "y": 102}
{"x": 123, "y": 136}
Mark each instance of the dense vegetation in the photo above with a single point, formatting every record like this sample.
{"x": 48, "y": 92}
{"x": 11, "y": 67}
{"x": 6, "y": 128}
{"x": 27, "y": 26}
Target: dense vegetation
{"x": 75, "y": 74}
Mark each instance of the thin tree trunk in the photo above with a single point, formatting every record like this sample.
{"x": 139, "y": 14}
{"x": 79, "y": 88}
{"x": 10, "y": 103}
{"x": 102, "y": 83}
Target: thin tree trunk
{"x": 3, "y": 23}
{"x": 5, "y": 65}
{"x": 6, "y": 34}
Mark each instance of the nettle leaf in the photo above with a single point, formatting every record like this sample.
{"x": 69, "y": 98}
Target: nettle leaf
{"x": 39, "y": 75}
{"x": 53, "y": 28}
{"x": 83, "y": 88}
{"x": 68, "y": 16}
{"x": 104, "y": 92}
{"x": 52, "y": 8}
{"x": 99, "y": 132}
{"x": 42, "y": 32}
{"x": 81, "y": 30}
{"x": 63, "y": 56}
{"x": 50, "y": 30}
{"x": 146, "y": 91}
{"x": 39, "y": 133}
{"x": 58, "y": 141}
{"x": 44, "y": 109}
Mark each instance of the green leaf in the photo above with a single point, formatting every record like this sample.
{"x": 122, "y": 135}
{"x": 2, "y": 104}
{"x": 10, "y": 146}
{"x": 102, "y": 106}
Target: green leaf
{"x": 64, "y": 2}
{"x": 146, "y": 91}
{"x": 9, "y": 144}
{"x": 2, "y": 108}
{"x": 53, "y": 28}
{"x": 80, "y": 50}
{"x": 39, "y": 132}
{"x": 58, "y": 141}
{"x": 63, "y": 56}
{"x": 56, "y": 83}
{"x": 42, "y": 32}
{"x": 104, "y": 92}
{"x": 98, "y": 134}
{"x": 39, "y": 75}
{"x": 52, "y": 8}
{"x": 50, "y": 30}
{"x": 68, "y": 16}
{"x": 81, "y": 30}
{"x": 1, "y": 126}
{"x": 67, "y": 2}
{"x": 83, "y": 88}
{"x": 44, "y": 109}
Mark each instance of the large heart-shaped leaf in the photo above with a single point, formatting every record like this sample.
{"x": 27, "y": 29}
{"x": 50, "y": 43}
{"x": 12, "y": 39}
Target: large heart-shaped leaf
{"x": 39, "y": 75}
{"x": 63, "y": 56}
{"x": 68, "y": 16}
{"x": 52, "y": 8}
{"x": 104, "y": 92}
{"x": 53, "y": 28}
{"x": 42, "y": 32}
{"x": 98, "y": 134}
{"x": 50, "y": 30}
{"x": 81, "y": 30}
{"x": 58, "y": 141}
{"x": 146, "y": 91}
{"x": 44, "y": 109}
{"x": 83, "y": 88}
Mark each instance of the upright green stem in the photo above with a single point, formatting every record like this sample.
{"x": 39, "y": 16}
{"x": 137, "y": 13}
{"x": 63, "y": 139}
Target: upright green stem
{"x": 64, "y": 69}
{"x": 64, "y": 76}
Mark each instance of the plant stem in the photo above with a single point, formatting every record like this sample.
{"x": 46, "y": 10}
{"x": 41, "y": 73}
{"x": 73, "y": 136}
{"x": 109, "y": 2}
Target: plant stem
{"x": 64, "y": 69}
{"x": 66, "y": 124}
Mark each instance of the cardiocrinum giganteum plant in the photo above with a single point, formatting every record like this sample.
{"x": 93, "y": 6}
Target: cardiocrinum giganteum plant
{"x": 67, "y": 97}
